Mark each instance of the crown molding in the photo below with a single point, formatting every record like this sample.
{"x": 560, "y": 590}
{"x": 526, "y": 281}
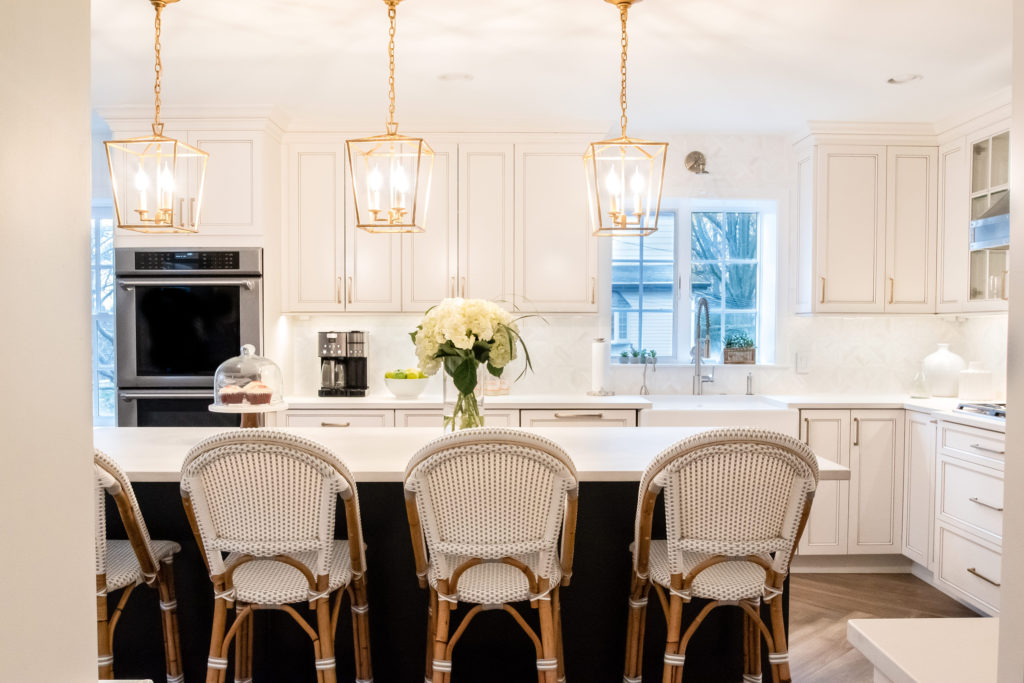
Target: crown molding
{"x": 270, "y": 119}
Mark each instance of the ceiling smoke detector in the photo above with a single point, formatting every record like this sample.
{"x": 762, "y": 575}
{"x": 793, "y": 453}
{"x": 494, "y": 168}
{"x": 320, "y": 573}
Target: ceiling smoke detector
{"x": 904, "y": 78}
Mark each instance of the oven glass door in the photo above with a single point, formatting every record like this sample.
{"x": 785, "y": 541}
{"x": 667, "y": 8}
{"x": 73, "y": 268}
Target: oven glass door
{"x": 175, "y": 332}
{"x": 171, "y": 409}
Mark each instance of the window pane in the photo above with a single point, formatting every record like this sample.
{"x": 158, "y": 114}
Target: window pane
{"x": 625, "y": 331}
{"x": 741, "y": 286}
{"x": 706, "y": 243}
{"x": 626, "y": 248}
{"x": 741, "y": 235}
{"x": 706, "y": 281}
{"x": 662, "y": 244}
{"x": 741, "y": 323}
{"x": 658, "y": 333}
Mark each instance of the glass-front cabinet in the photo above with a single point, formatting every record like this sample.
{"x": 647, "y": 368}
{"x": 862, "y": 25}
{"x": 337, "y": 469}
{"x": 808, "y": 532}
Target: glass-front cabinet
{"x": 990, "y": 223}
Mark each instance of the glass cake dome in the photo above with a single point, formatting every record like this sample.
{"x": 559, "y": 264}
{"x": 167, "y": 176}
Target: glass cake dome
{"x": 247, "y": 379}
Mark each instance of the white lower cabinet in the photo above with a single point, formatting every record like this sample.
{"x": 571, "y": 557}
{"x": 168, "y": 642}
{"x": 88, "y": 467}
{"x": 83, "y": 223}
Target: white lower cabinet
{"x": 968, "y": 568}
{"x": 432, "y": 418}
{"x": 919, "y": 489}
{"x": 577, "y": 418}
{"x": 865, "y": 514}
{"x": 339, "y": 418}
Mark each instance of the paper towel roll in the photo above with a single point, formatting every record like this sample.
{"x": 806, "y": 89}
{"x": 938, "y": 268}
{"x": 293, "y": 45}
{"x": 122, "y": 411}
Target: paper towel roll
{"x": 600, "y": 359}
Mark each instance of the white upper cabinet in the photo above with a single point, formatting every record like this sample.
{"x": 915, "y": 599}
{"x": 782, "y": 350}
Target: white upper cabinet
{"x": 373, "y": 268}
{"x": 430, "y": 258}
{"x": 555, "y": 253}
{"x": 314, "y": 239}
{"x": 911, "y": 220}
{"x": 232, "y": 194}
{"x": 953, "y": 235}
{"x": 486, "y": 222}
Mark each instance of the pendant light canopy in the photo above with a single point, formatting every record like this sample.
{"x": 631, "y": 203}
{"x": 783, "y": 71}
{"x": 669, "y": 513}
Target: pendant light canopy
{"x": 624, "y": 175}
{"x": 390, "y": 173}
{"x": 157, "y": 180}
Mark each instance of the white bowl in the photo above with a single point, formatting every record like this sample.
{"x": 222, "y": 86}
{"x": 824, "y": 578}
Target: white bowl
{"x": 406, "y": 388}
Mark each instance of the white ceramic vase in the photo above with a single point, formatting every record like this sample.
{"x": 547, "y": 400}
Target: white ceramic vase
{"x": 942, "y": 372}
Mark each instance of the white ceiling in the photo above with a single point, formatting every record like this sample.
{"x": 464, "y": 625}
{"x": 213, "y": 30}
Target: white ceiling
{"x": 552, "y": 65}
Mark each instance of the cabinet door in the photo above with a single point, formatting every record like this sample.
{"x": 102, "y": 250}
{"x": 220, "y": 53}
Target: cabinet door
{"x": 876, "y": 482}
{"x": 315, "y": 242}
{"x": 486, "y": 223}
{"x": 373, "y": 268}
{"x": 953, "y": 233}
{"x": 556, "y": 256}
{"x": 231, "y": 191}
{"x": 850, "y": 229}
{"x": 578, "y": 418}
{"x": 429, "y": 259}
{"x": 827, "y": 432}
{"x": 919, "y": 489}
{"x": 910, "y": 226}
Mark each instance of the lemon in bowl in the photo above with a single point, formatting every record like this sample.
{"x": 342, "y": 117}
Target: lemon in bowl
{"x": 407, "y": 384}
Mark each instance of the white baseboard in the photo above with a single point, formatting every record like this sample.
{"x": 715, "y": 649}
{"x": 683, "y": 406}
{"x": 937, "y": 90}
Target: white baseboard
{"x": 851, "y": 564}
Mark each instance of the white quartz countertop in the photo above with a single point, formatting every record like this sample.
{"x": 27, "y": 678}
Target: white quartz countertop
{"x": 433, "y": 401}
{"x": 928, "y": 650}
{"x": 155, "y": 454}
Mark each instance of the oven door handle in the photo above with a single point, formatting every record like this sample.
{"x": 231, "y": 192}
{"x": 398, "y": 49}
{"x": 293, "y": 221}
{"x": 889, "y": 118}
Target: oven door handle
{"x": 128, "y": 283}
{"x": 133, "y": 395}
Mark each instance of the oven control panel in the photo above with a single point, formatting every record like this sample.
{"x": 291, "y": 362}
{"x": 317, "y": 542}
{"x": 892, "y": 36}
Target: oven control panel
{"x": 186, "y": 260}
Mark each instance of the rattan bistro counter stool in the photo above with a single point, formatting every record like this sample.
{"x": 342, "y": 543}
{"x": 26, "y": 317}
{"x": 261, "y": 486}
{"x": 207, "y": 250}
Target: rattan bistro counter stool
{"x": 490, "y": 505}
{"x": 267, "y": 499}
{"x": 126, "y": 564}
{"x": 733, "y": 499}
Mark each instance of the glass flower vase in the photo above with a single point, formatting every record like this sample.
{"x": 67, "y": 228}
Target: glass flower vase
{"x": 462, "y": 411}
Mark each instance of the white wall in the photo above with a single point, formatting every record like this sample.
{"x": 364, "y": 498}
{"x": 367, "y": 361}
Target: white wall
{"x": 1011, "y": 624}
{"x": 47, "y": 583}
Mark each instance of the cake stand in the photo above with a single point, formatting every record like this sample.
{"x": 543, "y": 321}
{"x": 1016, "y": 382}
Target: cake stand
{"x": 252, "y": 415}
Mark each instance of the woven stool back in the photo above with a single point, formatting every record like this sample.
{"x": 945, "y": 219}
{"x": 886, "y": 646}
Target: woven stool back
{"x": 733, "y": 492}
{"x": 110, "y": 478}
{"x": 262, "y": 492}
{"x": 491, "y": 493}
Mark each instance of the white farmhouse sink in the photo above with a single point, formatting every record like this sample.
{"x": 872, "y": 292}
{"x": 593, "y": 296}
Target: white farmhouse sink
{"x": 720, "y": 411}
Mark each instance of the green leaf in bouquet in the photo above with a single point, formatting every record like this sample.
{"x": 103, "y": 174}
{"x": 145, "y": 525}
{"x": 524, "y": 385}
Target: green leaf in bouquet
{"x": 464, "y": 375}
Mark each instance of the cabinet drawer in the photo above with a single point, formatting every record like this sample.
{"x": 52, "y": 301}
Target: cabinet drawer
{"x": 578, "y": 418}
{"x": 968, "y": 568}
{"x": 432, "y": 418}
{"x": 339, "y": 418}
{"x": 971, "y": 495}
{"x": 980, "y": 445}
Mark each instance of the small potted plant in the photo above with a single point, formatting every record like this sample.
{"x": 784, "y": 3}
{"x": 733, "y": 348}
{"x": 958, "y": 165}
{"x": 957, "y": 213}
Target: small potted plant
{"x": 624, "y": 357}
{"x": 634, "y": 354}
{"x": 652, "y": 357}
{"x": 739, "y": 349}
{"x": 643, "y": 356}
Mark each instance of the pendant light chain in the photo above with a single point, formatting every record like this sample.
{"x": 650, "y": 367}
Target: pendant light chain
{"x": 391, "y": 125}
{"x": 157, "y": 68}
{"x": 623, "y": 11}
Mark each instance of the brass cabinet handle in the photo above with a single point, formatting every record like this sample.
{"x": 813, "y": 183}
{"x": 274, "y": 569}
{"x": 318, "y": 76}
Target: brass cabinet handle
{"x": 822, "y": 289}
{"x": 350, "y": 289}
{"x": 593, "y": 290}
{"x": 337, "y": 290}
{"x": 335, "y": 424}
{"x": 1006, "y": 274}
{"x": 181, "y": 211}
{"x": 972, "y": 570}
{"x": 588, "y": 416}
{"x": 463, "y": 295}
{"x": 856, "y": 431}
{"x": 451, "y": 287}
{"x": 985, "y": 505}
{"x": 892, "y": 288}
{"x": 978, "y": 446}
{"x": 192, "y": 212}
{"x": 807, "y": 431}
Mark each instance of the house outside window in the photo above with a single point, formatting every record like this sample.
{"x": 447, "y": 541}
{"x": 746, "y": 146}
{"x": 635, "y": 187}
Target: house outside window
{"x": 104, "y": 378}
{"x": 724, "y": 251}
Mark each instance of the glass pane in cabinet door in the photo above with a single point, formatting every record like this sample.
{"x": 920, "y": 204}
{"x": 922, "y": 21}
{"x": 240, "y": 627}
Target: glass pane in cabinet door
{"x": 979, "y": 205}
{"x": 979, "y": 166}
{"x": 979, "y": 275}
{"x": 1000, "y": 160}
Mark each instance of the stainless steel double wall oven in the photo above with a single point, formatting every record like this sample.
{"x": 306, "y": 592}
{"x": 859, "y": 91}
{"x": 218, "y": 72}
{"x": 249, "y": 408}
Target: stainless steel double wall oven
{"x": 181, "y": 313}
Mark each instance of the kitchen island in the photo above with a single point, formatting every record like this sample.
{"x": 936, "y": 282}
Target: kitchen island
{"x": 609, "y": 461}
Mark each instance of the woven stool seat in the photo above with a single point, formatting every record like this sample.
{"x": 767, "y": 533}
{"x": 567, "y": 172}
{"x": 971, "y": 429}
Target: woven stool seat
{"x": 739, "y": 580}
{"x": 123, "y": 566}
{"x": 494, "y": 583}
{"x": 266, "y": 581}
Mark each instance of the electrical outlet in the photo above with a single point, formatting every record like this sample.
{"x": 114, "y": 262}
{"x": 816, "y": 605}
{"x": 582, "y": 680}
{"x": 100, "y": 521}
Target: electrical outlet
{"x": 802, "y": 362}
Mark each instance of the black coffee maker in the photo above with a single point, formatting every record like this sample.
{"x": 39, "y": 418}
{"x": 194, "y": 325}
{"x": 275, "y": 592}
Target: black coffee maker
{"x": 342, "y": 363}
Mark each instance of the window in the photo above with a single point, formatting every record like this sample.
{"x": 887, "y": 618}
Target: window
{"x": 723, "y": 251}
{"x": 104, "y": 378}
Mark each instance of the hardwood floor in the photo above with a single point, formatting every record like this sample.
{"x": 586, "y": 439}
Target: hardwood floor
{"x": 821, "y": 604}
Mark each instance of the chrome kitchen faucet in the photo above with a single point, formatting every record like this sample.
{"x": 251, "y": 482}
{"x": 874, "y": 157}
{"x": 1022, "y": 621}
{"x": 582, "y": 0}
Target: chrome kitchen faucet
{"x": 702, "y": 348}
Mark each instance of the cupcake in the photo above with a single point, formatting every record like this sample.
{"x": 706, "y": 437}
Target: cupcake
{"x": 231, "y": 394}
{"x": 258, "y": 393}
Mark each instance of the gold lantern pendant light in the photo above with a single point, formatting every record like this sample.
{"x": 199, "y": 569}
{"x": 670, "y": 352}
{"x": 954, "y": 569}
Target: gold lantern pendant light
{"x": 390, "y": 173}
{"x": 625, "y": 175}
{"x": 157, "y": 180}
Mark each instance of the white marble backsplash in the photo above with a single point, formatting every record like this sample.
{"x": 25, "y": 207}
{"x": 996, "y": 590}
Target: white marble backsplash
{"x": 844, "y": 354}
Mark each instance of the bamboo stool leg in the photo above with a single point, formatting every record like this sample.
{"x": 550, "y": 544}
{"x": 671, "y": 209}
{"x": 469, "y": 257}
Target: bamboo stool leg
{"x": 547, "y": 633}
{"x": 635, "y": 629}
{"x": 675, "y": 618}
{"x": 169, "y": 620}
{"x": 751, "y": 646}
{"x": 556, "y": 609}
{"x": 779, "y": 654}
{"x": 104, "y": 653}
{"x": 243, "y": 672}
{"x": 441, "y": 633}
{"x": 323, "y": 618}
{"x": 431, "y": 631}
{"x": 214, "y": 669}
{"x": 361, "y": 628}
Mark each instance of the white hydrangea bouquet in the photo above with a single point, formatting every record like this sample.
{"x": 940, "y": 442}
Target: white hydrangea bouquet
{"x": 464, "y": 336}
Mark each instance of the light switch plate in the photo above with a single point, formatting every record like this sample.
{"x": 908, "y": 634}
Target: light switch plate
{"x": 802, "y": 362}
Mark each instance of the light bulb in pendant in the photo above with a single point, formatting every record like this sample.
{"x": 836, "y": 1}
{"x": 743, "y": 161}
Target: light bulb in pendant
{"x": 141, "y": 184}
{"x": 637, "y": 185}
{"x": 374, "y": 182}
{"x": 399, "y": 184}
{"x": 612, "y": 184}
{"x": 165, "y": 187}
